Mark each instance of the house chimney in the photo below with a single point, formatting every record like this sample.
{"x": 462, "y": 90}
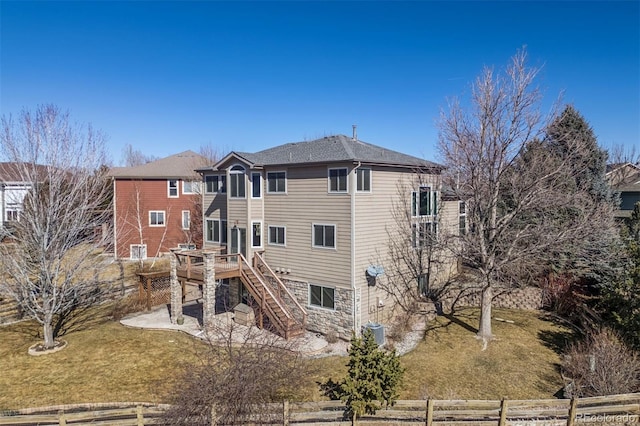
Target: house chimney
{"x": 355, "y": 132}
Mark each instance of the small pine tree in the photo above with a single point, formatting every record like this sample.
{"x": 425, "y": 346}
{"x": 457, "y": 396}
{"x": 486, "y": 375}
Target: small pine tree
{"x": 373, "y": 377}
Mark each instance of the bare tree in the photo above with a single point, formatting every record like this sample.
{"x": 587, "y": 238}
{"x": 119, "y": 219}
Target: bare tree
{"x": 520, "y": 211}
{"x": 241, "y": 371}
{"x": 418, "y": 263}
{"x": 54, "y": 239}
{"x": 133, "y": 157}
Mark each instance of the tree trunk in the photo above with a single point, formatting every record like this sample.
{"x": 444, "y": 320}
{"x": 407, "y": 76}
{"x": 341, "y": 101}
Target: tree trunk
{"x": 484, "y": 329}
{"x": 48, "y": 331}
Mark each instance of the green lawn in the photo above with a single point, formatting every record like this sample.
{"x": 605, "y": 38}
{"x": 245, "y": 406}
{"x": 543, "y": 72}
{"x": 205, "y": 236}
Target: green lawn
{"x": 106, "y": 362}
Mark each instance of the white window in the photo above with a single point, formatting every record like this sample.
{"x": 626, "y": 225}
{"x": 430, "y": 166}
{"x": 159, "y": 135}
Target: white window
{"x": 324, "y": 235}
{"x": 173, "y": 188}
{"x": 187, "y": 246}
{"x": 138, "y": 251}
{"x": 256, "y": 185}
{"x": 276, "y": 182}
{"x": 338, "y": 180}
{"x": 256, "y": 234}
{"x": 12, "y": 215}
{"x": 462, "y": 221}
{"x": 156, "y": 218}
{"x": 323, "y": 297}
{"x": 423, "y": 234}
{"x": 236, "y": 182}
{"x": 186, "y": 219}
{"x": 216, "y": 231}
{"x": 363, "y": 177}
{"x": 424, "y": 202}
{"x": 190, "y": 187}
{"x": 215, "y": 183}
{"x": 277, "y": 235}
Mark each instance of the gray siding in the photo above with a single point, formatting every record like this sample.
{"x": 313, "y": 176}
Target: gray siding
{"x": 307, "y": 202}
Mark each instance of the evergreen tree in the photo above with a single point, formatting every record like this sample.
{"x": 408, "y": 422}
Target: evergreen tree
{"x": 620, "y": 304}
{"x": 589, "y": 163}
{"x": 373, "y": 377}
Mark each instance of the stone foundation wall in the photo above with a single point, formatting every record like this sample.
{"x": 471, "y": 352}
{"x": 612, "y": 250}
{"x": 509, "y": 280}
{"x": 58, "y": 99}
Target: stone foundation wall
{"x": 338, "y": 321}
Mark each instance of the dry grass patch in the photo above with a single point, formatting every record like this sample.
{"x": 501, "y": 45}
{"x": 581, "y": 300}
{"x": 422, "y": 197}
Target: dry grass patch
{"x": 520, "y": 364}
{"x": 104, "y": 361}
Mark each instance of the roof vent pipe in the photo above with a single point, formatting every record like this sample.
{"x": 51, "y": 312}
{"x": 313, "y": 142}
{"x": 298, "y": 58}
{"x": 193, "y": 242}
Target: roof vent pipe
{"x": 355, "y": 132}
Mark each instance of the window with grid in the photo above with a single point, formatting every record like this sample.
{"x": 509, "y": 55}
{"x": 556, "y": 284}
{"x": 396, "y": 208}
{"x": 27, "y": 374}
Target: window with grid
{"x": 323, "y": 297}
{"x": 277, "y": 235}
{"x": 363, "y": 177}
{"x": 338, "y": 180}
{"x": 173, "y": 188}
{"x": 276, "y": 182}
{"x": 324, "y": 236}
{"x": 156, "y": 218}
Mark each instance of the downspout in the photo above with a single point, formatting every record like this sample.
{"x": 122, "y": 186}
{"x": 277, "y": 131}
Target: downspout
{"x": 354, "y": 311}
{"x": 115, "y": 227}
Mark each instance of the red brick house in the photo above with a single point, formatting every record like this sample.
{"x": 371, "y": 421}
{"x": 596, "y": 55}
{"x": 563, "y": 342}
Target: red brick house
{"x": 157, "y": 206}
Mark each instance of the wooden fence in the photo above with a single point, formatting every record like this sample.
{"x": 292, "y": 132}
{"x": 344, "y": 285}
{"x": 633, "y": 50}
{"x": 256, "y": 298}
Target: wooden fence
{"x": 607, "y": 410}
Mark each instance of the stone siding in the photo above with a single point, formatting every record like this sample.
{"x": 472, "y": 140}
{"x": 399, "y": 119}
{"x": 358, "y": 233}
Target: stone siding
{"x": 338, "y": 321}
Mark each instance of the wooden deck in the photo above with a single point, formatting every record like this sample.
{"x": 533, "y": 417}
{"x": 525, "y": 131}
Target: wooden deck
{"x": 191, "y": 268}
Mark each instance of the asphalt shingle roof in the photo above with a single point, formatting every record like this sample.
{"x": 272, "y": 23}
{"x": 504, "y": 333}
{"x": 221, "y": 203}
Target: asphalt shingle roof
{"x": 179, "y": 166}
{"x": 332, "y": 149}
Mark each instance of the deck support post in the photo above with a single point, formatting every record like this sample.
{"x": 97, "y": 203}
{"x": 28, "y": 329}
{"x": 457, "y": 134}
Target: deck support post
{"x": 209, "y": 289}
{"x": 176, "y": 287}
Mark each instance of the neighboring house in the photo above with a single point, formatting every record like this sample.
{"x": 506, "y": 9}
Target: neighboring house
{"x": 157, "y": 206}
{"x": 624, "y": 178}
{"x": 12, "y": 192}
{"x": 318, "y": 212}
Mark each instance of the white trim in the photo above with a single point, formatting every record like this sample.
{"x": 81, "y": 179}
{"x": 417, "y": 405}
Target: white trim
{"x": 365, "y": 191}
{"x": 242, "y": 173}
{"x": 131, "y": 246}
{"x": 346, "y": 176}
{"x": 284, "y": 244}
{"x": 193, "y": 183}
{"x": 188, "y": 220}
{"x": 260, "y": 184}
{"x": 253, "y": 222}
{"x": 164, "y": 218}
{"x": 320, "y": 306}
{"x": 177, "y": 181}
{"x": 335, "y": 236}
{"x": 286, "y": 183}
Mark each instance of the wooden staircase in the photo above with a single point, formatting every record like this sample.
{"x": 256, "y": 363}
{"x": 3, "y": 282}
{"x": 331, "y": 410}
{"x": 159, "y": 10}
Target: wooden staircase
{"x": 275, "y": 302}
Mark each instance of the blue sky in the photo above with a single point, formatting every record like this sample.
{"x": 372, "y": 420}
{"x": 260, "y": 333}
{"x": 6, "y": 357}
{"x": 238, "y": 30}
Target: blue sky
{"x": 165, "y": 76}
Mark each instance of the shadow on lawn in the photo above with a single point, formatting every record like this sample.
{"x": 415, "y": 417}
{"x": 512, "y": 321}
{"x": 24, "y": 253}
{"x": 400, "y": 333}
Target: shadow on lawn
{"x": 462, "y": 318}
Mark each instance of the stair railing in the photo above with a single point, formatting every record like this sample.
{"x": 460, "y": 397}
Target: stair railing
{"x": 284, "y": 324}
{"x": 261, "y": 264}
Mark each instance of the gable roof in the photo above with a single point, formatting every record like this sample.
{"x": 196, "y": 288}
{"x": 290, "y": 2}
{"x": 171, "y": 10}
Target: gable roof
{"x": 177, "y": 166}
{"x": 330, "y": 149}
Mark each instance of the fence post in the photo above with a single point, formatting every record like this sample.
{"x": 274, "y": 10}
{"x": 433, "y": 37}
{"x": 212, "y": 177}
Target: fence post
{"x": 148, "y": 294}
{"x": 139, "y": 415}
{"x": 429, "y": 419}
{"x": 572, "y": 412}
{"x": 503, "y": 412}
{"x": 285, "y": 413}
{"x": 62, "y": 421}
{"x": 213, "y": 415}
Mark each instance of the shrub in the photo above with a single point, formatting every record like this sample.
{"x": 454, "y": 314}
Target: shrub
{"x": 602, "y": 364}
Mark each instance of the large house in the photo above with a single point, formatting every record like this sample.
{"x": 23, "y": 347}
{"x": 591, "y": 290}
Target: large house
{"x": 13, "y": 189}
{"x": 157, "y": 206}
{"x": 624, "y": 178}
{"x": 319, "y": 213}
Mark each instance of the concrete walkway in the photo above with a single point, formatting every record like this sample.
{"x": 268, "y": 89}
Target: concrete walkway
{"x": 310, "y": 345}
